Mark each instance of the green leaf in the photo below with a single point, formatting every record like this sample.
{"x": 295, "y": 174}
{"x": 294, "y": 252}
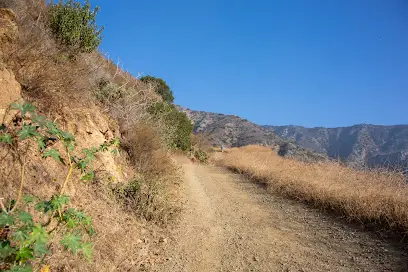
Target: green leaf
{"x": 23, "y": 108}
{"x": 71, "y": 242}
{"x": 89, "y": 154}
{"x": 57, "y": 202}
{"x": 86, "y": 250}
{"x": 114, "y": 151}
{"x": 71, "y": 223}
{"x": 69, "y": 145}
{"x": 6, "y": 250}
{"x": 44, "y": 206}
{"x": 20, "y": 268}
{"x": 25, "y": 218}
{"x": 86, "y": 221}
{"x": 40, "y": 143}
{"x": 90, "y": 231}
{"x": 67, "y": 136}
{"x": 27, "y": 131}
{"x": 38, "y": 235}
{"x": 53, "y": 154}
{"x": 81, "y": 165}
{"x": 40, "y": 120}
{"x": 40, "y": 249}
{"x": 88, "y": 176}
{"x": 24, "y": 253}
{"x": 52, "y": 129}
{"x": 28, "y": 199}
{"x": 6, "y": 219}
{"x": 6, "y": 138}
{"x": 103, "y": 147}
{"x": 20, "y": 236}
{"x": 115, "y": 142}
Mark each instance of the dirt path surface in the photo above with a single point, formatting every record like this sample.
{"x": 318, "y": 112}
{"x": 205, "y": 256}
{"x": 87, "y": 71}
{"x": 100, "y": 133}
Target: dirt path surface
{"x": 232, "y": 224}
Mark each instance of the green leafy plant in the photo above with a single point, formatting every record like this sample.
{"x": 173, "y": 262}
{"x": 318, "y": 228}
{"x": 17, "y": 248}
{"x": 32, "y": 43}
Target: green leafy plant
{"x": 27, "y": 223}
{"x": 160, "y": 86}
{"x": 74, "y": 25}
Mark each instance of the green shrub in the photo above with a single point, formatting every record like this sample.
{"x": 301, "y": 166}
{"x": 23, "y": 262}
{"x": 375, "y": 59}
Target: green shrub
{"x": 160, "y": 87}
{"x": 107, "y": 91}
{"x": 178, "y": 121}
{"x": 199, "y": 155}
{"x": 74, "y": 25}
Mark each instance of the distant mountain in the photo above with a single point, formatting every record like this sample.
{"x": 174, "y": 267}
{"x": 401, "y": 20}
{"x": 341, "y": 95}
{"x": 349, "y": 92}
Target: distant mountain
{"x": 358, "y": 145}
{"x": 233, "y": 131}
{"x": 362, "y": 144}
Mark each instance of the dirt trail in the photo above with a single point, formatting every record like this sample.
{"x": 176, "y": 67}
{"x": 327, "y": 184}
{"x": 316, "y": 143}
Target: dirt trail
{"x": 232, "y": 224}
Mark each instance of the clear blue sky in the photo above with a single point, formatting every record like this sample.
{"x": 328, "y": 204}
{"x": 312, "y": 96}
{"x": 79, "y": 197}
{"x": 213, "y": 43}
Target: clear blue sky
{"x": 311, "y": 63}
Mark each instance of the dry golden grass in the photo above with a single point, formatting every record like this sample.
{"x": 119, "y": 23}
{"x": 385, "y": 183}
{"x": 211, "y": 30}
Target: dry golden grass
{"x": 369, "y": 196}
{"x": 153, "y": 194}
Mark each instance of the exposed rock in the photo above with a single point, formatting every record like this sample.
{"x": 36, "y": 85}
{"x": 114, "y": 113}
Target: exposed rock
{"x": 8, "y": 26}
{"x": 10, "y": 90}
{"x": 357, "y": 145}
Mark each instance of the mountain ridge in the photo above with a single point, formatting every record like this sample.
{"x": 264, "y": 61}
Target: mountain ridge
{"x": 357, "y": 145}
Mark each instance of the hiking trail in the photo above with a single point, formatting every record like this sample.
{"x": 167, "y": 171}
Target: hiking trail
{"x": 232, "y": 224}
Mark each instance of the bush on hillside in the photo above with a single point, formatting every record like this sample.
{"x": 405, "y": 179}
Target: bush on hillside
{"x": 200, "y": 148}
{"x": 178, "y": 121}
{"x": 161, "y": 87}
{"x": 147, "y": 195}
{"x": 143, "y": 144}
{"x": 283, "y": 149}
{"x": 74, "y": 25}
{"x": 107, "y": 91}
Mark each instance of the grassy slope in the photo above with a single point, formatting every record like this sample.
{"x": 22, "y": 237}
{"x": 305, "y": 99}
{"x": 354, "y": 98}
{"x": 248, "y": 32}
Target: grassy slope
{"x": 366, "y": 196}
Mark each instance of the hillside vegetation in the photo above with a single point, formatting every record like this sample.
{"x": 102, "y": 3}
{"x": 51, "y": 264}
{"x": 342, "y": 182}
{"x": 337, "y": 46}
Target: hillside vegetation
{"x": 371, "y": 197}
{"x": 86, "y": 176}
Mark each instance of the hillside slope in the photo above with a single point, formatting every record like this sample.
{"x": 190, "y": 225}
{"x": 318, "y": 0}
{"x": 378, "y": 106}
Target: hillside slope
{"x": 74, "y": 185}
{"x": 233, "y": 131}
{"x": 357, "y": 145}
{"x": 360, "y": 144}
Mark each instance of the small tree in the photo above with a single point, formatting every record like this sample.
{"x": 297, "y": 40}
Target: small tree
{"x": 283, "y": 149}
{"x": 178, "y": 121}
{"x": 74, "y": 25}
{"x": 161, "y": 87}
{"x": 184, "y": 128}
